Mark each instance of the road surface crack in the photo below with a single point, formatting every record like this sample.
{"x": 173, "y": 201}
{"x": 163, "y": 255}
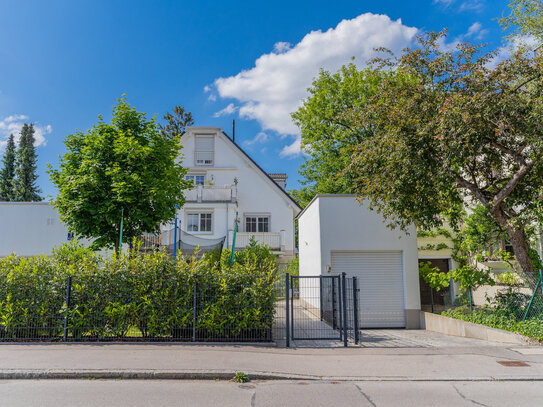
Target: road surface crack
{"x": 470, "y": 400}
{"x": 365, "y": 396}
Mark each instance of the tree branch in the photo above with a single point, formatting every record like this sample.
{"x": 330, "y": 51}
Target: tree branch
{"x": 479, "y": 194}
{"x": 513, "y": 182}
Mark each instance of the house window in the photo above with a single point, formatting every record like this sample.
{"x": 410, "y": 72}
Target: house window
{"x": 257, "y": 223}
{"x": 199, "y": 222}
{"x": 204, "y": 150}
{"x": 196, "y": 179}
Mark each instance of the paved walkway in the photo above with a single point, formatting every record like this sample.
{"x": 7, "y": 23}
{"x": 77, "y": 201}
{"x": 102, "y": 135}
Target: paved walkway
{"x": 183, "y": 361}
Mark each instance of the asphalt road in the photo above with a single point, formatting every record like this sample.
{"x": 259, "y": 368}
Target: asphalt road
{"x": 134, "y": 393}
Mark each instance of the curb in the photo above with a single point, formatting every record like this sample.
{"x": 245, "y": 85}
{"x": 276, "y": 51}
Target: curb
{"x": 228, "y": 375}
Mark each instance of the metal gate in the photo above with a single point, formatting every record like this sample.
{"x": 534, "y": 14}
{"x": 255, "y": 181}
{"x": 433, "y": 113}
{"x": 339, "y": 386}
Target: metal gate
{"x": 321, "y": 308}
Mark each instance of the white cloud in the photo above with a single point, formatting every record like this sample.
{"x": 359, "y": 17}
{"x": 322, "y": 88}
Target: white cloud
{"x": 472, "y": 5}
{"x": 280, "y": 47}
{"x": 207, "y": 88}
{"x": 466, "y": 5}
{"x": 212, "y": 98}
{"x": 277, "y": 84}
{"x": 292, "y": 150}
{"x": 226, "y": 111}
{"x": 261, "y": 137}
{"x": 12, "y": 125}
{"x": 444, "y": 2}
{"x": 476, "y": 31}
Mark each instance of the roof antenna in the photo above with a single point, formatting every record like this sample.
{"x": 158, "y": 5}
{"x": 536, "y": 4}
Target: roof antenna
{"x": 233, "y": 130}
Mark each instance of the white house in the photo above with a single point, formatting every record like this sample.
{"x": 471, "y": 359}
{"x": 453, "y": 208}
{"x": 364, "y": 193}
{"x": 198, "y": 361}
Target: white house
{"x": 228, "y": 182}
{"x": 337, "y": 234}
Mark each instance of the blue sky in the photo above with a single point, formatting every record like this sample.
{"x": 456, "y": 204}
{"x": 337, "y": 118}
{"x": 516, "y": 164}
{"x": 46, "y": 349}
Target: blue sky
{"x": 64, "y": 62}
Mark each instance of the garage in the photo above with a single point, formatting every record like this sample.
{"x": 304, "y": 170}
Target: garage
{"x": 338, "y": 234}
{"x": 380, "y": 275}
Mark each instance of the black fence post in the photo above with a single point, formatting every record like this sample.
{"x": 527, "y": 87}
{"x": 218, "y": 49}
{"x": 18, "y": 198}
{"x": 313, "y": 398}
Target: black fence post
{"x": 68, "y": 295}
{"x": 287, "y": 331}
{"x": 320, "y": 297}
{"x": 340, "y": 309}
{"x": 355, "y": 310}
{"x": 334, "y": 309}
{"x": 194, "y": 313}
{"x": 291, "y": 294}
{"x": 344, "y": 295}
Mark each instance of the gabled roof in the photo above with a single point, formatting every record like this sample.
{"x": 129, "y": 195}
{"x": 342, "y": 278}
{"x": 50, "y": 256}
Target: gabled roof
{"x": 259, "y": 168}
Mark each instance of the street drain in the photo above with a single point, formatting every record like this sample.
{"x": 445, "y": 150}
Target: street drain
{"x": 513, "y": 363}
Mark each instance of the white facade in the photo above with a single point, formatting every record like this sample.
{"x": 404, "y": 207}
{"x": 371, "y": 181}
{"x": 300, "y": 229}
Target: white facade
{"x": 265, "y": 211}
{"x": 30, "y": 228}
{"x": 337, "y": 234}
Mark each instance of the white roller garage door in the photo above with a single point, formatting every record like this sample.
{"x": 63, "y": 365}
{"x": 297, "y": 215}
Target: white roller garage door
{"x": 380, "y": 280}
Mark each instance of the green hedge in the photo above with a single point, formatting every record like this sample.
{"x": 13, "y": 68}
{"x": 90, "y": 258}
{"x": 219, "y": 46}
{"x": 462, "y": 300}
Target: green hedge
{"x": 138, "y": 296}
{"x": 501, "y": 319}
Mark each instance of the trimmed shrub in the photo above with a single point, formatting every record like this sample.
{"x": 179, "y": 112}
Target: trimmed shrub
{"x": 138, "y": 296}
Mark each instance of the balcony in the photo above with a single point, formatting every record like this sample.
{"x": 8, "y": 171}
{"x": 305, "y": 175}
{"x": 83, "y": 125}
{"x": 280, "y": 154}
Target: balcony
{"x": 274, "y": 240}
{"x": 211, "y": 193}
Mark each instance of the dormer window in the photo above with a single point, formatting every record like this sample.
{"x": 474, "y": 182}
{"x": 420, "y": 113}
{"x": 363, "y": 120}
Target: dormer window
{"x": 204, "y": 150}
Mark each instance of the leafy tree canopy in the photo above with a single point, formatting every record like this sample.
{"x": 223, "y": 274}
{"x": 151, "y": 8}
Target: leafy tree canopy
{"x": 327, "y": 137}
{"x": 525, "y": 18}
{"x": 126, "y": 165}
{"x": 449, "y": 129}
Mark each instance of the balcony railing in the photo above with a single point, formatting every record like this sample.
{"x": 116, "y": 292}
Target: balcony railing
{"x": 211, "y": 193}
{"x": 274, "y": 240}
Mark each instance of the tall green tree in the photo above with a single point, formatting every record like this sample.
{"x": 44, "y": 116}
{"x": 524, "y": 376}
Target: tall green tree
{"x": 328, "y": 139}
{"x": 7, "y": 176}
{"x": 525, "y": 18}
{"x": 176, "y": 122}
{"x": 125, "y": 166}
{"x": 26, "y": 189}
{"x": 455, "y": 130}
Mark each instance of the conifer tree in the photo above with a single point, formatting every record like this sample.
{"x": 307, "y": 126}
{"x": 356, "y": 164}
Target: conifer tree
{"x": 7, "y": 175}
{"x": 25, "y": 183}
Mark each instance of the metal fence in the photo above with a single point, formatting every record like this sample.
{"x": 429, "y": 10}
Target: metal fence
{"x": 96, "y": 308}
{"x": 322, "y": 308}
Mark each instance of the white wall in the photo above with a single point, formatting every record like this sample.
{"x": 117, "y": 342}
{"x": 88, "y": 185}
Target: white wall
{"x": 30, "y": 228}
{"x": 256, "y": 192}
{"x": 309, "y": 241}
{"x": 339, "y": 223}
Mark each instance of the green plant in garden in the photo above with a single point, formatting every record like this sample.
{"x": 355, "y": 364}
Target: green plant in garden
{"x": 433, "y": 277}
{"x": 501, "y": 319}
{"x": 137, "y": 294}
{"x": 125, "y": 168}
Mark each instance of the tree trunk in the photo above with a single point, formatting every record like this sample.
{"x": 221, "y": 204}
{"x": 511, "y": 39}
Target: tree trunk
{"x": 517, "y": 237}
{"x": 519, "y": 241}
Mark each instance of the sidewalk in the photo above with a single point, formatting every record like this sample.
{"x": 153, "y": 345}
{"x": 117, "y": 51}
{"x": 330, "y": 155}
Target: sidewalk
{"x": 185, "y": 361}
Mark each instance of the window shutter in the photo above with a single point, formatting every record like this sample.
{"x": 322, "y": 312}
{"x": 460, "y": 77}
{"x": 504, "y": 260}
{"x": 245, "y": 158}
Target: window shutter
{"x": 205, "y": 143}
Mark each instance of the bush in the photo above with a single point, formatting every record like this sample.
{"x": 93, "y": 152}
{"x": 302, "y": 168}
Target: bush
{"x": 138, "y": 295}
{"x": 501, "y": 319}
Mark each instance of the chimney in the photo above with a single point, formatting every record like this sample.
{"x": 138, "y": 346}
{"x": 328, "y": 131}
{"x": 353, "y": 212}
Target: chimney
{"x": 280, "y": 179}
